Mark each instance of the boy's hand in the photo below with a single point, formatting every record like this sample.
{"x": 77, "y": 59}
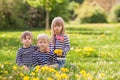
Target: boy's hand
{"x": 26, "y": 68}
{"x": 47, "y": 50}
{"x": 58, "y": 52}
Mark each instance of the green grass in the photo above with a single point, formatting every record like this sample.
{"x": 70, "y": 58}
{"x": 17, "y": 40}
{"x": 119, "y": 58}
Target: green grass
{"x": 102, "y": 39}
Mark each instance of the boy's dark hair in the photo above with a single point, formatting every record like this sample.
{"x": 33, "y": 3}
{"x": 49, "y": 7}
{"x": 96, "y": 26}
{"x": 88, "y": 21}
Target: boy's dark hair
{"x": 26, "y": 33}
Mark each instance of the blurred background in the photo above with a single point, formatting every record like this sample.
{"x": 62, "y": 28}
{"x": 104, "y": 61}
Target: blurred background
{"x": 16, "y": 14}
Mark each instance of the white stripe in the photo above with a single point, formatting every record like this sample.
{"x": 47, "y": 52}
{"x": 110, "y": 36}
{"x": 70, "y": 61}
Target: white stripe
{"x": 61, "y": 58}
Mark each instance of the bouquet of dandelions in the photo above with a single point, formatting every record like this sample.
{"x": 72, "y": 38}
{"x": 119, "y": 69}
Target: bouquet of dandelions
{"x": 58, "y": 52}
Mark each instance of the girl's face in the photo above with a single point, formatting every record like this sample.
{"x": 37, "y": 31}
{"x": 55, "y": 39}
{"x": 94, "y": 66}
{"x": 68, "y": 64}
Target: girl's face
{"x": 27, "y": 41}
{"x": 57, "y": 29}
{"x": 42, "y": 44}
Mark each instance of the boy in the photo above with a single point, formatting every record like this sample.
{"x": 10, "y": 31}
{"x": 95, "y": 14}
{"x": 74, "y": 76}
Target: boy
{"x": 24, "y": 54}
{"x": 42, "y": 56}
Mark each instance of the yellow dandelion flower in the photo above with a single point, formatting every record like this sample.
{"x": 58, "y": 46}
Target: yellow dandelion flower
{"x": 26, "y": 78}
{"x": 6, "y": 72}
{"x": 101, "y": 74}
{"x": 35, "y": 79}
{"x": 37, "y": 68}
{"x": 32, "y": 74}
{"x": 23, "y": 67}
{"x": 45, "y": 68}
{"x": 52, "y": 70}
{"x": 88, "y": 75}
{"x": 89, "y": 49}
{"x": 1, "y": 77}
{"x": 0, "y": 65}
{"x": 14, "y": 67}
{"x": 77, "y": 49}
{"x": 6, "y": 63}
{"x": 64, "y": 70}
{"x": 64, "y": 76}
{"x": 58, "y": 52}
{"x": 57, "y": 75}
{"x": 77, "y": 76}
{"x": 49, "y": 79}
{"x": 83, "y": 72}
{"x": 21, "y": 74}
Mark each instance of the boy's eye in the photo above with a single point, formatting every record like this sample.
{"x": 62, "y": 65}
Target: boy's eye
{"x": 24, "y": 38}
{"x": 29, "y": 38}
{"x": 44, "y": 42}
{"x": 40, "y": 42}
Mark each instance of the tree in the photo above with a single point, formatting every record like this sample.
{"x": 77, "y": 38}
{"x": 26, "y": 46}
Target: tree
{"x": 47, "y": 4}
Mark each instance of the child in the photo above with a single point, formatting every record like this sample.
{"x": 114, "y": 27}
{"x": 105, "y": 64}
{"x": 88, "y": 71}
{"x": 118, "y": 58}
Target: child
{"x": 24, "y": 54}
{"x": 42, "y": 56}
{"x": 60, "y": 42}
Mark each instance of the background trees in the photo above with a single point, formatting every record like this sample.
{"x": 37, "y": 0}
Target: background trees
{"x": 39, "y": 13}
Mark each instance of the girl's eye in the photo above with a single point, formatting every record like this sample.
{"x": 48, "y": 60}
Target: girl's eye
{"x": 40, "y": 42}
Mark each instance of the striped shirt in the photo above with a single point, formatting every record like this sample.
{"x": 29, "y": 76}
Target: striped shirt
{"x": 42, "y": 58}
{"x": 24, "y": 56}
{"x": 64, "y": 45}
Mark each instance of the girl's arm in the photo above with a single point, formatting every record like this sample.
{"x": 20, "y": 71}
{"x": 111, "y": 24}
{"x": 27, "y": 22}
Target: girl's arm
{"x": 67, "y": 45}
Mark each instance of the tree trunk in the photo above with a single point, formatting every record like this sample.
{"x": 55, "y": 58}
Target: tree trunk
{"x": 47, "y": 20}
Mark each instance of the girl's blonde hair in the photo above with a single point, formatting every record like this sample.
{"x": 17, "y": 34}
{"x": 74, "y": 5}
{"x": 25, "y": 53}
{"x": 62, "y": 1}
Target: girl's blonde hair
{"x": 42, "y": 36}
{"x": 57, "y": 21}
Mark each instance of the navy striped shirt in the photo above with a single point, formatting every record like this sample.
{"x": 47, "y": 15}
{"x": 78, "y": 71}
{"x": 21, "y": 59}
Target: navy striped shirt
{"x": 65, "y": 45}
{"x": 42, "y": 58}
{"x": 24, "y": 56}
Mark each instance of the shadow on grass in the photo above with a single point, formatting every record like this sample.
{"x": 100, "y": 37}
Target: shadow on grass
{"x": 22, "y": 29}
{"x": 79, "y": 29}
{"x": 88, "y": 32}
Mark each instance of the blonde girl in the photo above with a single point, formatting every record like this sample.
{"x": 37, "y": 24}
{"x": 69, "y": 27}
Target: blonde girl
{"x": 59, "y": 41}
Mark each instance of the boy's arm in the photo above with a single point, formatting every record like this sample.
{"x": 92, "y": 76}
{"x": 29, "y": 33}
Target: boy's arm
{"x": 18, "y": 58}
{"x": 54, "y": 58}
{"x": 34, "y": 59}
{"x": 67, "y": 44}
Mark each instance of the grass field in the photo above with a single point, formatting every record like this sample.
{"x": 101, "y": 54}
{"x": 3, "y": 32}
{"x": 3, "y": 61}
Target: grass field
{"x": 94, "y": 54}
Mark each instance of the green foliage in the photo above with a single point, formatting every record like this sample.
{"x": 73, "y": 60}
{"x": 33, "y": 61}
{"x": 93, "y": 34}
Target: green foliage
{"x": 60, "y": 9}
{"x": 92, "y": 14}
{"x": 114, "y": 15}
{"x": 47, "y": 4}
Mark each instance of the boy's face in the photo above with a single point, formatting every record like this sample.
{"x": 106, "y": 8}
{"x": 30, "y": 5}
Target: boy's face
{"x": 57, "y": 29}
{"x": 43, "y": 44}
{"x": 27, "y": 41}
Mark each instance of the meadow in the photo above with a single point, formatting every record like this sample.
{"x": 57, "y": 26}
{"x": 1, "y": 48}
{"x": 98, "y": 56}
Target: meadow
{"x": 94, "y": 54}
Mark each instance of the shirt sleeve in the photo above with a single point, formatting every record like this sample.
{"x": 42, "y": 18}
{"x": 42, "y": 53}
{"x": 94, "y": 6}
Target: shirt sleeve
{"x": 53, "y": 58}
{"x": 67, "y": 45}
{"x": 51, "y": 47}
{"x": 34, "y": 59}
{"x": 18, "y": 58}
